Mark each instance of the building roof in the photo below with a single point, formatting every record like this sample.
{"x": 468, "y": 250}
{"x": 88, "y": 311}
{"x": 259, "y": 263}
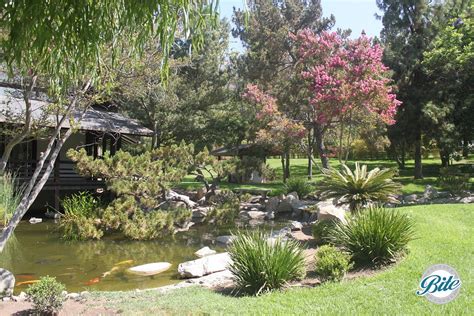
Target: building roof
{"x": 12, "y": 108}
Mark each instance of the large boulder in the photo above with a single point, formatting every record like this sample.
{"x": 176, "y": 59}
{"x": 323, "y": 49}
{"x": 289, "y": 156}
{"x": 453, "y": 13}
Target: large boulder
{"x": 204, "y": 266}
{"x": 7, "y": 283}
{"x": 327, "y": 211}
{"x": 272, "y": 204}
{"x": 288, "y": 203}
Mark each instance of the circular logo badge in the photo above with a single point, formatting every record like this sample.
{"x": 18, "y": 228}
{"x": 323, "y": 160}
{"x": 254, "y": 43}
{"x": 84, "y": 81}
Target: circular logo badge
{"x": 440, "y": 284}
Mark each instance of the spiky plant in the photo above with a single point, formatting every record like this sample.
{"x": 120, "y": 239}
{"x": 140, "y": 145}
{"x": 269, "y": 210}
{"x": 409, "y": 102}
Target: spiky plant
{"x": 376, "y": 236}
{"x": 10, "y": 196}
{"x": 261, "y": 265}
{"x": 359, "y": 188}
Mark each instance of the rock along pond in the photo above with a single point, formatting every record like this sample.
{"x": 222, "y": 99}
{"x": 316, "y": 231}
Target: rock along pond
{"x": 38, "y": 250}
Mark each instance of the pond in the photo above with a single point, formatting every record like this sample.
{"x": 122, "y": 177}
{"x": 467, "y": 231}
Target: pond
{"x": 37, "y": 250}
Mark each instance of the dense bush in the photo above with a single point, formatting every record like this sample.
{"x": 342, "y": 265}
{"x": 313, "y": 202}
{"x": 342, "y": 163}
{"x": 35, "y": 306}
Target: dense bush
{"x": 375, "y": 236}
{"x": 226, "y": 208}
{"x": 331, "y": 263}
{"x": 453, "y": 180}
{"x": 298, "y": 185}
{"x": 146, "y": 226}
{"x": 47, "y": 295}
{"x": 322, "y": 230}
{"x": 359, "y": 188}
{"x": 260, "y": 266}
{"x": 79, "y": 221}
{"x": 10, "y": 196}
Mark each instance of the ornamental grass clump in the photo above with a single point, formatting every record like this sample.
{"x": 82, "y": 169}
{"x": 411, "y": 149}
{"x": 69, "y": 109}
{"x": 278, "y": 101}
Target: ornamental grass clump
{"x": 331, "y": 263}
{"x": 375, "y": 236}
{"x": 260, "y": 265}
{"x": 359, "y": 188}
{"x": 298, "y": 185}
{"x": 10, "y": 196}
{"x": 47, "y": 296}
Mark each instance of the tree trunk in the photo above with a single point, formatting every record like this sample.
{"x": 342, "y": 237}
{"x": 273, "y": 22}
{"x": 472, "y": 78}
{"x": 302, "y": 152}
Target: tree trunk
{"x": 310, "y": 155}
{"x": 319, "y": 143}
{"x": 418, "y": 174}
{"x": 25, "y": 129}
{"x": 283, "y": 169}
{"x": 287, "y": 164}
{"x": 34, "y": 187}
{"x": 465, "y": 147}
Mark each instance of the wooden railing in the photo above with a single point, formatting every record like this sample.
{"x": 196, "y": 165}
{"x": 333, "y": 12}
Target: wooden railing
{"x": 63, "y": 175}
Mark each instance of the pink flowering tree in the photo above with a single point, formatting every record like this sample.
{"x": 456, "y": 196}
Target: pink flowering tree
{"x": 345, "y": 77}
{"x": 276, "y": 130}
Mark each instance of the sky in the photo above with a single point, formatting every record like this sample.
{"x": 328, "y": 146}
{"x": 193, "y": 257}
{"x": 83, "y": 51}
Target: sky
{"x": 357, "y": 15}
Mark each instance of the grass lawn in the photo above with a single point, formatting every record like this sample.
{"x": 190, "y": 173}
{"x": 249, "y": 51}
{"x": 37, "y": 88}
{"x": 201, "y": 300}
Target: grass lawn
{"x": 445, "y": 235}
{"x": 299, "y": 170}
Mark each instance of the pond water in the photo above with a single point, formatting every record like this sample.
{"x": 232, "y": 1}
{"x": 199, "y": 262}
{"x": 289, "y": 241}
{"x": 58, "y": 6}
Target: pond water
{"x": 37, "y": 250}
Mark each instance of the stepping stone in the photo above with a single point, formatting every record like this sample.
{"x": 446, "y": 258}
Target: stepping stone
{"x": 150, "y": 268}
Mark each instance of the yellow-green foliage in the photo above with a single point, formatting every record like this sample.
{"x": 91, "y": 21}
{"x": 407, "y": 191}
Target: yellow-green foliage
{"x": 47, "y": 295}
{"x": 331, "y": 263}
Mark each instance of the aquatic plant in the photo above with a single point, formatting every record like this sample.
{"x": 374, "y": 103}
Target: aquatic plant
{"x": 10, "y": 195}
{"x": 260, "y": 265}
{"x": 80, "y": 219}
{"x": 47, "y": 295}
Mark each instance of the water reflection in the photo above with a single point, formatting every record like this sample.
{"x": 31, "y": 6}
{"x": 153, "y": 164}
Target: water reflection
{"x": 101, "y": 265}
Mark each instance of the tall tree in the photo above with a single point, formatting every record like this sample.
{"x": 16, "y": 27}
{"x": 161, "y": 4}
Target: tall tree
{"x": 449, "y": 64}
{"x": 271, "y": 54}
{"x": 69, "y": 41}
{"x": 345, "y": 78}
{"x": 409, "y": 27}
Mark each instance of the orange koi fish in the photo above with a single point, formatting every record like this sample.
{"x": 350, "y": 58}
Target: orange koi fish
{"x": 25, "y": 276}
{"x": 27, "y": 282}
{"x": 92, "y": 281}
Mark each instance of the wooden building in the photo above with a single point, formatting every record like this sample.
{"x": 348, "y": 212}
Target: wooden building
{"x": 101, "y": 129}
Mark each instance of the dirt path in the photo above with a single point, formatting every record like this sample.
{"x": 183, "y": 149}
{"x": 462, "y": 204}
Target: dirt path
{"x": 71, "y": 308}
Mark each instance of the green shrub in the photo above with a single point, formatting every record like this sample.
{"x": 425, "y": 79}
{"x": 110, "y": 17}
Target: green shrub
{"x": 359, "y": 188}
{"x": 331, "y": 263}
{"x": 260, "y": 266}
{"x": 246, "y": 197}
{"x": 10, "y": 196}
{"x": 298, "y": 185}
{"x": 80, "y": 219}
{"x": 453, "y": 180}
{"x": 181, "y": 216}
{"x": 322, "y": 230}
{"x": 146, "y": 226}
{"x": 375, "y": 236}
{"x": 226, "y": 208}
{"x": 47, "y": 295}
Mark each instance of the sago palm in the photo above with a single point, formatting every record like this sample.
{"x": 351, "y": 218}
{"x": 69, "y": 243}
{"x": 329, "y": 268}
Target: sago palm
{"x": 360, "y": 187}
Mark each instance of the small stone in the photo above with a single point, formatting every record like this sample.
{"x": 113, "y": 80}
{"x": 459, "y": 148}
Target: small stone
{"x": 85, "y": 293}
{"x": 226, "y": 240}
{"x": 256, "y": 214}
{"x": 295, "y": 225}
{"x": 270, "y": 215}
{"x": 35, "y": 220}
{"x": 204, "y": 251}
{"x": 467, "y": 200}
{"x": 412, "y": 198}
{"x": 73, "y": 296}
